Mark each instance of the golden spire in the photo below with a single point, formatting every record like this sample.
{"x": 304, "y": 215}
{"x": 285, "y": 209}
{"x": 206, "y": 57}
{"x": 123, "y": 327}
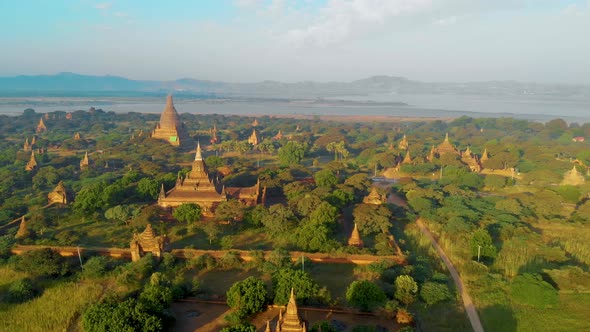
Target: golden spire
{"x": 407, "y": 158}
{"x": 22, "y": 229}
{"x": 162, "y": 192}
{"x": 32, "y": 163}
{"x": 198, "y": 155}
{"x": 447, "y": 137}
{"x": 355, "y": 238}
{"x": 267, "y": 329}
{"x": 485, "y": 155}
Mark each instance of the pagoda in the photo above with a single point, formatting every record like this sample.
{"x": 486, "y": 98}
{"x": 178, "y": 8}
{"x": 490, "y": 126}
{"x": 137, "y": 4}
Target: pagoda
{"x": 23, "y": 231}
{"x": 32, "y": 163}
{"x": 403, "y": 144}
{"x": 41, "y": 127}
{"x": 255, "y": 123}
{"x": 484, "y": 155}
{"x": 374, "y": 197}
{"x": 27, "y": 146}
{"x": 85, "y": 162}
{"x": 147, "y": 242}
{"x": 290, "y": 321}
{"x": 407, "y": 158}
{"x": 77, "y": 136}
{"x": 573, "y": 178}
{"x": 446, "y": 147}
{"x": 254, "y": 139}
{"x": 278, "y": 136}
{"x": 355, "y": 238}
{"x": 471, "y": 160}
{"x": 170, "y": 128}
{"x": 197, "y": 187}
{"x": 58, "y": 195}
{"x": 431, "y": 154}
{"x": 214, "y": 138}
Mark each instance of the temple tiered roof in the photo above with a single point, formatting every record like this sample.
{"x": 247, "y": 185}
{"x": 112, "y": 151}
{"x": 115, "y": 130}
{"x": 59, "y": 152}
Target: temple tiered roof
{"x": 58, "y": 195}
{"x": 446, "y": 147}
{"x": 573, "y": 178}
{"x": 85, "y": 162}
{"x": 32, "y": 163}
{"x": 41, "y": 127}
{"x": 403, "y": 144}
{"x": 254, "y": 139}
{"x": 147, "y": 242}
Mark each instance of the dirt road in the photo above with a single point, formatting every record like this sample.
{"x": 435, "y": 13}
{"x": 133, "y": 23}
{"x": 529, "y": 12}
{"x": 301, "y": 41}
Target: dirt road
{"x": 467, "y": 302}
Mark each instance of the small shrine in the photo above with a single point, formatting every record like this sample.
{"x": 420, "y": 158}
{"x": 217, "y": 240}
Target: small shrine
{"x": 254, "y": 139}
{"x": 27, "y": 146}
{"x": 147, "y": 242}
{"x": 278, "y": 136}
{"x": 85, "y": 162}
{"x": 407, "y": 159}
{"x": 374, "y": 197}
{"x": 573, "y": 178}
{"x": 58, "y": 195}
{"x": 23, "y": 231}
{"x": 77, "y": 136}
{"x": 41, "y": 127}
{"x": 290, "y": 321}
{"x": 355, "y": 238}
{"x": 403, "y": 144}
{"x": 32, "y": 163}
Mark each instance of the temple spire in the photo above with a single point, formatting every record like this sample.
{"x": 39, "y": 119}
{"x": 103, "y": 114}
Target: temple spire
{"x": 198, "y": 155}
{"x": 355, "y": 238}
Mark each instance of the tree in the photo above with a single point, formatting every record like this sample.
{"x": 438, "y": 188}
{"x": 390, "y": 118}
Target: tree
{"x": 325, "y": 178}
{"x": 212, "y": 229}
{"x": 247, "y": 296}
{"x": 148, "y": 188}
{"x": 230, "y": 210}
{"x": 291, "y": 153}
{"x": 188, "y": 212}
{"x": 91, "y": 198}
{"x": 365, "y": 295}
{"x": 405, "y": 289}
{"x": 481, "y": 242}
{"x": 278, "y": 219}
{"x": 434, "y": 292}
{"x": 372, "y": 218}
{"x": 246, "y": 327}
{"x": 21, "y": 290}
{"x": 304, "y": 286}
{"x": 42, "y": 263}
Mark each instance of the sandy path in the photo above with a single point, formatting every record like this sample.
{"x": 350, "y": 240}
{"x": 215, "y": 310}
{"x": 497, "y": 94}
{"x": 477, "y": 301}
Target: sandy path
{"x": 467, "y": 302}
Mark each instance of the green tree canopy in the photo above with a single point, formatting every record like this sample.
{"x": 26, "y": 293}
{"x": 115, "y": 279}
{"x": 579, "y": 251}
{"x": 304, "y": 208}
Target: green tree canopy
{"x": 304, "y": 286}
{"x": 188, "y": 212}
{"x": 291, "y": 153}
{"x": 365, "y": 295}
{"x": 405, "y": 289}
{"x": 247, "y": 296}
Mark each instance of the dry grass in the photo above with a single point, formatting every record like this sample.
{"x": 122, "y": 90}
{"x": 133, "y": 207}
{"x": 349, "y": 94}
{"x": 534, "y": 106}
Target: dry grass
{"x": 56, "y": 310}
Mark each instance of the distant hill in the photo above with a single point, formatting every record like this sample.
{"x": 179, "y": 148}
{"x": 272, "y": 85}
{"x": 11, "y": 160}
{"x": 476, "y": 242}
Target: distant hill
{"x": 77, "y": 84}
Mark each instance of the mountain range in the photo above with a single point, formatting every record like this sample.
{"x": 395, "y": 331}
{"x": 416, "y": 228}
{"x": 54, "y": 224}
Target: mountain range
{"x": 76, "y": 84}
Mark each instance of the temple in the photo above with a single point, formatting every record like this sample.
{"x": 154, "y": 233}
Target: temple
{"x": 23, "y": 231}
{"x": 32, "y": 163}
{"x": 58, "y": 195}
{"x": 355, "y": 238}
{"x": 85, "y": 162}
{"x": 374, "y": 197}
{"x": 170, "y": 128}
{"x": 147, "y": 242}
{"x": 254, "y": 139}
{"x": 407, "y": 158}
{"x": 573, "y": 178}
{"x": 446, "y": 147}
{"x": 471, "y": 160}
{"x": 27, "y": 146}
{"x": 77, "y": 136}
{"x": 290, "y": 321}
{"x": 278, "y": 136}
{"x": 41, "y": 127}
{"x": 403, "y": 144}
{"x": 199, "y": 188}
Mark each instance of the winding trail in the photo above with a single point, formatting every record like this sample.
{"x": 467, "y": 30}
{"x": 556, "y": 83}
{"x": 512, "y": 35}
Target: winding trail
{"x": 467, "y": 302}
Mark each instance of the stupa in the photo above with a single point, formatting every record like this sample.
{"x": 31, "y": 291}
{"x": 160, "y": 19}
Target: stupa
{"x": 290, "y": 321}
{"x": 32, "y": 163}
{"x": 403, "y": 144}
{"x": 446, "y": 147}
{"x": 573, "y": 178}
{"x": 355, "y": 238}
{"x": 23, "y": 231}
{"x": 147, "y": 242}
{"x": 27, "y": 146}
{"x": 41, "y": 127}
{"x": 85, "y": 162}
{"x": 254, "y": 139}
{"x": 374, "y": 197}
{"x": 58, "y": 195}
{"x": 170, "y": 128}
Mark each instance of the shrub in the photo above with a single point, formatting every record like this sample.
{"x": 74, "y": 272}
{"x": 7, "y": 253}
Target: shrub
{"x": 42, "y": 263}
{"x": 365, "y": 295}
{"x": 21, "y": 290}
{"x": 433, "y": 292}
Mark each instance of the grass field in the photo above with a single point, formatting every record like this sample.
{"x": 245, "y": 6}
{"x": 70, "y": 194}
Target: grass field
{"x": 57, "y": 309}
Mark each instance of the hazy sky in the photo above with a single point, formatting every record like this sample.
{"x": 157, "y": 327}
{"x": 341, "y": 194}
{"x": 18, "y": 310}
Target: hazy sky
{"x": 295, "y": 40}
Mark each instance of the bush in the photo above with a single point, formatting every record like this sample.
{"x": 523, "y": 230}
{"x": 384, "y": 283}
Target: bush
{"x": 21, "y": 290}
{"x": 433, "y": 292}
{"x": 95, "y": 267}
{"x": 42, "y": 263}
{"x": 365, "y": 295}
{"x": 530, "y": 289}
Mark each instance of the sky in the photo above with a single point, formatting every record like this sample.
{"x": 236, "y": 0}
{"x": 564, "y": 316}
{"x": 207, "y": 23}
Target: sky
{"x": 544, "y": 41}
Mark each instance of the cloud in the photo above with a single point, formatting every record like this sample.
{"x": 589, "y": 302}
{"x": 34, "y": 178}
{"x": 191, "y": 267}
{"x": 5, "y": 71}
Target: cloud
{"x": 247, "y": 3}
{"x": 446, "y": 21}
{"x": 103, "y": 6}
{"x": 340, "y": 18}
